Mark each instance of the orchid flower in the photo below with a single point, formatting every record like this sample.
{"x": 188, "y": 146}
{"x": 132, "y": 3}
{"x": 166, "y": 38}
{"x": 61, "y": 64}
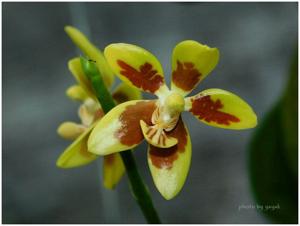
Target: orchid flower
{"x": 159, "y": 121}
{"x": 90, "y": 112}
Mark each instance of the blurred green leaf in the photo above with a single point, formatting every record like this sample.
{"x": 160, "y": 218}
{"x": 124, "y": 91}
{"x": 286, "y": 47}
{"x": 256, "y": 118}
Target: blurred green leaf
{"x": 273, "y": 157}
{"x": 289, "y": 117}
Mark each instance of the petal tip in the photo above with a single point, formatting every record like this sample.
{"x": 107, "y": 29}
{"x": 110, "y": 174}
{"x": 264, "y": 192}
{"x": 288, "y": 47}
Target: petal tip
{"x": 61, "y": 131}
{"x": 254, "y": 121}
{"x": 108, "y": 185}
{"x": 169, "y": 196}
{"x": 67, "y": 28}
{"x": 108, "y": 48}
{"x": 73, "y": 62}
{"x": 71, "y": 31}
{"x": 168, "y": 192}
{"x": 251, "y": 119}
{"x": 61, "y": 162}
{"x": 70, "y": 130}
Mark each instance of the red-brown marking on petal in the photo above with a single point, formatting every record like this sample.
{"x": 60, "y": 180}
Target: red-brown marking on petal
{"x": 185, "y": 76}
{"x": 109, "y": 159}
{"x": 130, "y": 132}
{"x": 164, "y": 157}
{"x": 207, "y": 109}
{"x": 120, "y": 97}
{"x": 146, "y": 78}
{"x": 98, "y": 115}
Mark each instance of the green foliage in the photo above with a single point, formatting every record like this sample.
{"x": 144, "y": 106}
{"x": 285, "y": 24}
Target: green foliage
{"x": 273, "y": 157}
{"x": 289, "y": 117}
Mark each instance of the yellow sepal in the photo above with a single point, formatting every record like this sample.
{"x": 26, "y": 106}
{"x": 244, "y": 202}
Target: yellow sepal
{"x": 193, "y": 61}
{"x": 113, "y": 170}
{"x": 220, "y": 108}
{"x": 70, "y": 130}
{"x": 92, "y": 52}
{"x": 136, "y": 66}
{"x": 76, "y": 70}
{"x": 76, "y": 154}
{"x": 76, "y": 92}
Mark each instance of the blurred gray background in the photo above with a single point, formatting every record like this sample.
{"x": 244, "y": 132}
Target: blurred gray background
{"x": 256, "y": 41}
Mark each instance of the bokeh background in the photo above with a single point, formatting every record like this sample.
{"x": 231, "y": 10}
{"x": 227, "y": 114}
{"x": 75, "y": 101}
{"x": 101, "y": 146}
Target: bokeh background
{"x": 256, "y": 42}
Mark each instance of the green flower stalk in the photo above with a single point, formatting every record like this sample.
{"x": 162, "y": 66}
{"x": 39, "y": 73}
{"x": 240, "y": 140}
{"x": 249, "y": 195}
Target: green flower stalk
{"x": 93, "y": 78}
{"x": 138, "y": 188}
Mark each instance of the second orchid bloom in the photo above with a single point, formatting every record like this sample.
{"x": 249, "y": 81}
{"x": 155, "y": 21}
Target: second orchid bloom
{"x": 90, "y": 112}
{"x": 159, "y": 121}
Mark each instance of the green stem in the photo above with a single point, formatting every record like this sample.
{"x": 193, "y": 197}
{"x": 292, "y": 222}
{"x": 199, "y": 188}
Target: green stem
{"x": 138, "y": 188}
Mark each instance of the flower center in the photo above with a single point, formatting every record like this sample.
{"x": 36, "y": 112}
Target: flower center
{"x": 168, "y": 112}
{"x": 164, "y": 119}
{"x": 174, "y": 104}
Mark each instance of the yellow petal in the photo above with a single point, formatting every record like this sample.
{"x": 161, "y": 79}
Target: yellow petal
{"x": 169, "y": 166}
{"x": 92, "y": 52}
{"x": 76, "y": 154}
{"x": 191, "y": 63}
{"x": 113, "y": 170}
{"x": 221, "y": 108}
{"x": 76, "y": 70}
{"x": 76, "y": 92}
{"x": 119, "y": 129}
{"x": 156, "y": 137}
{"x": 136, "y": 66}
{"x": 125, "y": 93}
{"x": 70, "y": 130}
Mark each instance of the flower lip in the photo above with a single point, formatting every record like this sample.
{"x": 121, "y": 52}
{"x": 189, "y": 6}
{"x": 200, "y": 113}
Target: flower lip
{"x": 164, "y": 119}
